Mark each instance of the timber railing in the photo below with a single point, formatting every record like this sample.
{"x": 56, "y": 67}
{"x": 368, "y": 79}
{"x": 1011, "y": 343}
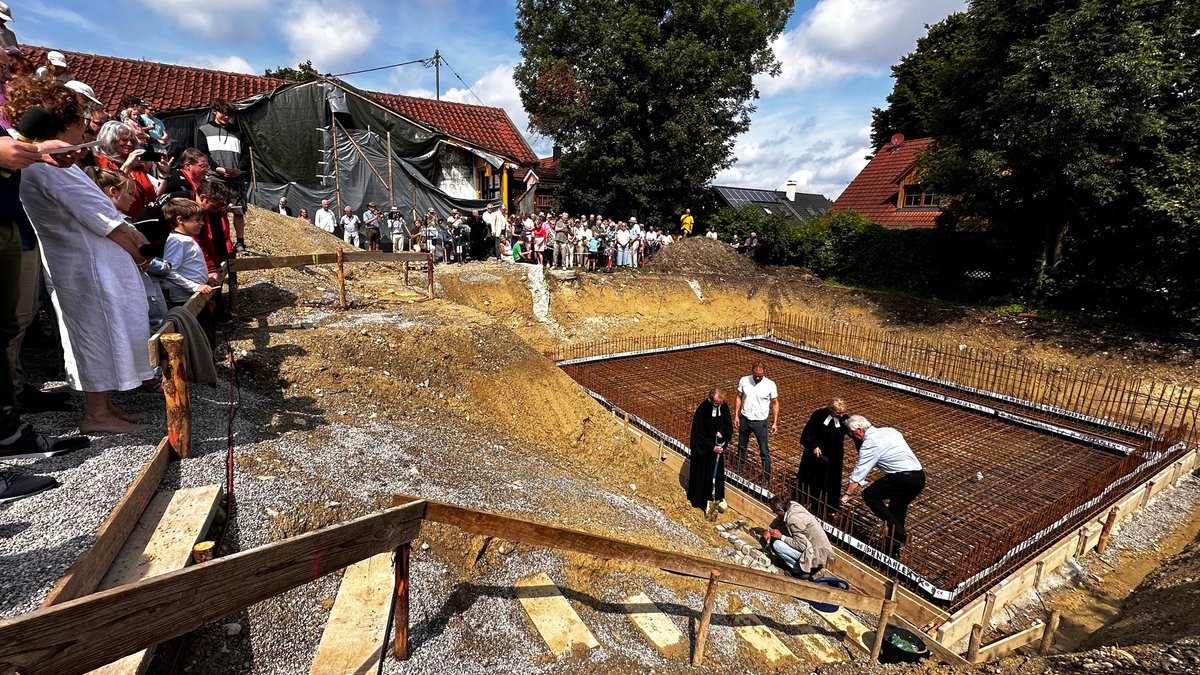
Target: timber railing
{"x": 79, "y": 635}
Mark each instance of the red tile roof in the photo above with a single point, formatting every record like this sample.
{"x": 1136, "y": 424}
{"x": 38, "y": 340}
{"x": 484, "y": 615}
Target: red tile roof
{"x": 875, "y": 189}
{"x": 487, "y": 128}
{"x": 170, "y": 86}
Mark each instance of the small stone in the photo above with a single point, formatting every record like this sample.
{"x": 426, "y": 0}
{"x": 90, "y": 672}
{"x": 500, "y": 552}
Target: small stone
{"x": 232, "y": 629}
{"x": 424, "y": 546}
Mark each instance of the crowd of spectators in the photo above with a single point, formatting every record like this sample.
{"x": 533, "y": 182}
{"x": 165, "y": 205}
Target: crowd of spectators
{"x": 119, "y": 222}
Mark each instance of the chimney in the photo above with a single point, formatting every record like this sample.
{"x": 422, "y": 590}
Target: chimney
{"x": 791, "y": 190}
{"x": 557, "y": 152}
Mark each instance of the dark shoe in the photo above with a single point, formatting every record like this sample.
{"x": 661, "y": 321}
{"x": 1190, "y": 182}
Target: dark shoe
{"x": 14, "y": 486}
{"x": 33, "y": 400}
{"x": 31, "y": 445}
{"x": 239, "y": 247}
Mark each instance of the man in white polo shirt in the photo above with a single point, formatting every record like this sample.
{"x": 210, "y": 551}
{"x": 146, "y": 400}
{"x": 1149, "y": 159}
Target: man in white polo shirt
{"x": 757, "y": 399}
{"x": 903, "y": 477}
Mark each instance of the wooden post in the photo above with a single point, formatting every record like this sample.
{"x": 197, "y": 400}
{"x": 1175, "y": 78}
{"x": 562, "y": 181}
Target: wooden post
{"x": 337, "y": 179}
{"x": 1107, "y": 531}
{"x": 231, "y": 279}
{"x": 341, "y": 267}
{"x": 203, "y": 552}
{"x": 1048, "y": 634}
{"x": 1041, "y": 570}
{"x": 400, "y": 607}
{"x": 253, "y": 174}
{"x": 973, "y": 645}
{"x": 175, "y": 391}
{"x": 989, "y": 605}
{"x": 430, "y": 266}
{"x": 391, "y": 195}
{"x": 710, "y": 598}
{"x": 885, "y": 615}
{"x": 406, "y": 272}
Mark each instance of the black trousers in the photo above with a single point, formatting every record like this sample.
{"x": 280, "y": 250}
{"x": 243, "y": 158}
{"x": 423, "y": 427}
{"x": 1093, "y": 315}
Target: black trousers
{"x": 10, "y": 294}
{"x": 898, "y": 490}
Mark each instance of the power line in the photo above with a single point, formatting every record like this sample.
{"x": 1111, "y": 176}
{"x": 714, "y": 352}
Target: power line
{"x": 461, "y": 80}
{"x": 425, "y": 62}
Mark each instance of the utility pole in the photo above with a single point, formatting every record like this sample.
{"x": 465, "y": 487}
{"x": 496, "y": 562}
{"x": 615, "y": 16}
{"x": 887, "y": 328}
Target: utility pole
{"x": 437, "y": 74}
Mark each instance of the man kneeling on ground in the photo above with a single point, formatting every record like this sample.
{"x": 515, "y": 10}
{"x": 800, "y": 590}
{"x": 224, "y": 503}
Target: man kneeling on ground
{"x": 796, "y": 539}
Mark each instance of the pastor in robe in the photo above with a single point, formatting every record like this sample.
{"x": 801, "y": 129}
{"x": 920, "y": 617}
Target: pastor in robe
{"x": 712, "y": 427}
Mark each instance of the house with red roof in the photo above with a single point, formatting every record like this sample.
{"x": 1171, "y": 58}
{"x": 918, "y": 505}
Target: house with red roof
{"x": 888, "y": 190}
{"x": 480, "y": 149}
{"x": 541, "y": 184}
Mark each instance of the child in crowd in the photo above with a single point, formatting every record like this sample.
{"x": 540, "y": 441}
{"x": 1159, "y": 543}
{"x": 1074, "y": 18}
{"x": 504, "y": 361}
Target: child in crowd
{"x": 189, "y": 273}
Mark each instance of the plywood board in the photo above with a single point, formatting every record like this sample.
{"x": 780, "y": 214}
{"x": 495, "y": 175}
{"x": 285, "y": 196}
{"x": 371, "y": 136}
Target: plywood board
{"x": 855, "y": 631}
{"x": 356, "y": 632}
{"x": 657, "y": 627}
{"x": 552, "y": 615}
{"x": 818, "y": 647}
{"x": 161, "y": 542}
{"x": 751, "y": 629}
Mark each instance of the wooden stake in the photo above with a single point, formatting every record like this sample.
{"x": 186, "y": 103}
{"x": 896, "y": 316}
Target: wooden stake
{"x": 885, "y": 615}
{"x": 710, "y": 598}
{"x": 337, "y": 179}
{"x": 341, "y": 267}
{"x": 400, "y": 608}
{"x": 1048, "y": 634}
{"x": 989, "y": 605}
{"x": 175, "y": 391}
{"x": 430, "y": 266}
{"x": 973, "y": 645}
{"x": 203, "y": 552}
{"x": 391, "y": 195}
{"x": 1107, "y": 531}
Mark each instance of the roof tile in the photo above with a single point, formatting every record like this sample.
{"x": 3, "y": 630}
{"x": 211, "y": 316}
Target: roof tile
{"x": 875, "y": 189}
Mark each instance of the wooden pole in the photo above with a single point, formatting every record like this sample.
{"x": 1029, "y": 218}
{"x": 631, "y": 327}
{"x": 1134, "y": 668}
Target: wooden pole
{"x": 430, "y": 275}
{"x": 341, "y": 267}
{"x": 337, "y": 179}
{"x": 973, "y": 645}
{"x": 710, "y": 598}
{"x": 885, "y": 615}
{"x": 203, "y": 552}
{"x": 989, "y": 606}
{"x": 1048, "y": 634}
{"x": 175, "y": 391}
{"x": 400, "y": 607}
{"x": 366, "y": 159}
{"x": 253, "y": 173}
{"x": 391, "y": 195}
{"x": 1107, "y": 531}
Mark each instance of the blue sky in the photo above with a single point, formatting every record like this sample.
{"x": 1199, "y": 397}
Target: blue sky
{"x": 812, "y": 122}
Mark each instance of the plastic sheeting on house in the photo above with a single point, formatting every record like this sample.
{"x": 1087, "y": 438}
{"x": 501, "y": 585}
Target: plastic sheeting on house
{"x": 288, "y": 134}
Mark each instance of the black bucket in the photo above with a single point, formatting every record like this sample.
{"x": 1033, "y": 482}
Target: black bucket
{"x": 892, "y": 653}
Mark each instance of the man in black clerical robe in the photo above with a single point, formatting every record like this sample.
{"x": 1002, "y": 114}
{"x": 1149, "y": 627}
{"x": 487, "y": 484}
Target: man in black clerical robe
{"x": 712, "y": 427}
{"x": 819, "y": 478}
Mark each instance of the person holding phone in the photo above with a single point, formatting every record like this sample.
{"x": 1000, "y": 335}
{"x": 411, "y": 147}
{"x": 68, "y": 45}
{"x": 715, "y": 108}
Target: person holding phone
{"x": 118, "y": 149}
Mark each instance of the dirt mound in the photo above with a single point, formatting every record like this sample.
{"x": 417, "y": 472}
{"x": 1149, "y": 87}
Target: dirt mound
{"x": 700, "y": 255}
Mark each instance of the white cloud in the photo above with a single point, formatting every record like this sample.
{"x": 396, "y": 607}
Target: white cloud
{"x": 55, "y": 15}
{"x": 843, "y": 38}
{"x": 223, "y": 20}
{"x": 229, "y": 64}
{"x": 821, "y": 160}
{"x": 498, "y": 89}
{"x": 331, "y": 35}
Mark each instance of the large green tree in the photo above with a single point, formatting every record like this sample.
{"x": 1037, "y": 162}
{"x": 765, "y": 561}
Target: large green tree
{"x": 301, "y": 73}
{"x": 1071, "y": 127}
{"x": 646, "y": 96}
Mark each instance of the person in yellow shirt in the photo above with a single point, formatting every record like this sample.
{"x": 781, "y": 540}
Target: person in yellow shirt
{"x": 687, "y": 222}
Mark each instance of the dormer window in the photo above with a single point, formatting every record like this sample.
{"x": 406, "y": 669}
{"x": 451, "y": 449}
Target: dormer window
{"x": 914, "y": 196}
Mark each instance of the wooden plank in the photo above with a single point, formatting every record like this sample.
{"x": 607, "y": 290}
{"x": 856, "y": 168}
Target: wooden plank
{"x": 162, "y": 542}
{"x": 321, "y": 258}
{"x": 516, "y": 529}
{"x": 356, "y": 632}
{"x": 1001, "y": 648}
{"x": 939, "y": 650}
{"x": 552, "y": 616}
{"x": 751, "y": 629}
{"x": 658, "y": 628}
{"x": 854, "y": 631}
{"x": 818, "y": 647}
{"x": 77, "y": 636}
{"x": 91, "y": 566}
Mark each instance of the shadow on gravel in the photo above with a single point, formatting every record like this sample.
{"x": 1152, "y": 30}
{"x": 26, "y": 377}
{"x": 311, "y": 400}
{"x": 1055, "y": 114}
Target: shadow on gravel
{"x": 32, "y": 559}
{"x": 466, "y": 593}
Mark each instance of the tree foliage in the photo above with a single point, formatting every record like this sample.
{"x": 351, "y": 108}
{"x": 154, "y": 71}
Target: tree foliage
{"x": 301, "y": 73}
{"x": 1072, "y": 129}
{"x": 646, "y": 96}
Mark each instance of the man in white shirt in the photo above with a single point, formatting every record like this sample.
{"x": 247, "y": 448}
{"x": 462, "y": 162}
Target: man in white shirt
{"x": 757, "y": 399}
{"x": 903, "y": 477}
{"x": 497, "y": 224}
{"x": 350, "y": 223}
{"x": 325, "y": 218}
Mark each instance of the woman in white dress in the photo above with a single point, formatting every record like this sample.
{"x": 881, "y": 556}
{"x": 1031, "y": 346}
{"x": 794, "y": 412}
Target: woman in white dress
{"x": 90, "y": 256}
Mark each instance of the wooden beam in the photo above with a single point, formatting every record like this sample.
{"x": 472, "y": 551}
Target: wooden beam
{"x": 175, "y": 393}
{"x": 1109, "y": 522}
{"x": 400, "y": 608}
{"x": 80, "y": 635}
{"x": 656, "y": 626}
{"x": 1048, "y": 634}
{"x": 885, "y": 615}
{"x": 341, "y": 276}
{"x": 710, "y": 601}
{"x": 91, "y": 566}
{"x": 537, "y": 534}
{"x": 356, "y": 631}
{"x": 553, "y": 617}
{"x": 974, "y": 644}
{"x": 1001, "y": 648}
{"x": 320, "y": 258}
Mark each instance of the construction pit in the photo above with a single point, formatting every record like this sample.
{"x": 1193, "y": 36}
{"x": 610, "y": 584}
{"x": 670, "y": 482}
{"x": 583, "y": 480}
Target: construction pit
{"x": 474, "y": 399}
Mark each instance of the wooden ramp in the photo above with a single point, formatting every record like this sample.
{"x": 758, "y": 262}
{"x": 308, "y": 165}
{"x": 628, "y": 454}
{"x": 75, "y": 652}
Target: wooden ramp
{"x": 658, "y": 628}
{"x": 161, "y": 542}
{"x": 552, "y": 615}
{"x": 355, "y": 634}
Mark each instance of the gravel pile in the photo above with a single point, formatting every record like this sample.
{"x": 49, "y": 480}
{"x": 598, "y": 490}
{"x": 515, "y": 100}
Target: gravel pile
{"x": 701, "y": 255}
